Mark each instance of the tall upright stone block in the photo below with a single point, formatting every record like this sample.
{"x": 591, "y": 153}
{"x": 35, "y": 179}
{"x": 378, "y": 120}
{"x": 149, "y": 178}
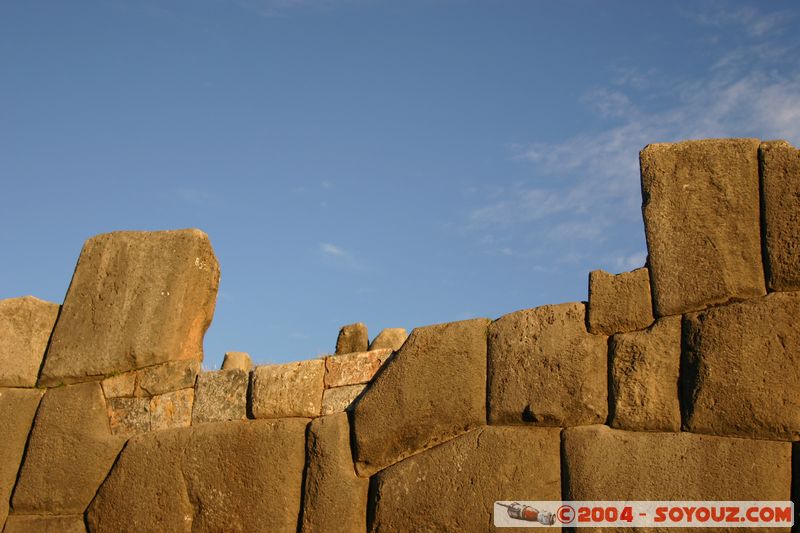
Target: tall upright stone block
{"x": 780, "y": 196}
{"x": 546, "y": 369}
{"x": 17, "y": 409}
{"x": 741, "y": 366}
{"x": 136, "y": 299}
{"x": 608, "y": 464}
{"x": 644, "y": 368}
{"x": 25, "y": 327}
{"x": 70, "y": 452}
{"x": 700, "y": 201}
{"x": 335, "y": 497}
{"x": 453, "y": 487}
{"x": 432, "y": 390}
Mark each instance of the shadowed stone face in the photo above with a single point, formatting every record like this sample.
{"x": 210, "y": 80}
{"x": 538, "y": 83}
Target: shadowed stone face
{"x": 136, "y": 299}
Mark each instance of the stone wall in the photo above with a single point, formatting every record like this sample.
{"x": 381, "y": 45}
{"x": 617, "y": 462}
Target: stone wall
{"x": 676, "y": 381}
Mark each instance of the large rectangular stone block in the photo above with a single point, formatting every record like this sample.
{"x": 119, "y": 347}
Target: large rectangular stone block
{"x": 453, "y": 487}
{"x": 335, "y": 498}
{"x": 45, "y": 524}
{"x": 432, "y": 390}
{"x": 25, "y": 327}
{"x": 741, "y": 366}
{"x": 607, "y": 464}
{"x": 546, "y": 369}
{"x": 136, "y": 299}
{"x": 17, "y": 409}
{"x": 700, "y": 201}
{"x": 290, "y": 389}
{"x": 644, "y": 367}
{"x": 780, "y": 194}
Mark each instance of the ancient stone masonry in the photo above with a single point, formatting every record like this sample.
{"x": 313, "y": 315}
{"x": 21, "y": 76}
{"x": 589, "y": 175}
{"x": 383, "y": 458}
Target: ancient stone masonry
{"x": 679, "y": 380}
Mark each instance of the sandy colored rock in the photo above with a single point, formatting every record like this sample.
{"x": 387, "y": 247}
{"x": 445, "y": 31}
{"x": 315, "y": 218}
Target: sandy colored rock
{"x": 171, "y": 410}
{"x": 45, "y": 524}
{"x": 335, "y": 498}
{"x": 780, "y": 189}
{"x": 352, "y": 338}
{"x": 128, "y": 416}
{"x": 340, "y": 399}
{"x": 220, "y": 395}
{"x": 353, "y": 368}
{"x": 643, "y": 392}
{"x": 237, "y": 360}
{"x": 17, "y": 409}
{"x": 619, "y": 303}
{"x": 120, "y": 386}
{"x": 701, "y": 218}
{"x": 247, "y": 475}
{"x": 453, "y": 487}
{"x": 389, "y": 338}
{"x": 546, "y": 369}
{"x": 172, "y": 376}
{"x": 740, "y": 369}
{"x": 25, "y": 327}
{"x": 291, "y": 389}
{"x": 136, "y": 299}
{"x": 607, "y": 464}
{"x": 70, "y": 452}
{"x": 432, "y": 390}
{"x": 145, "y": 491}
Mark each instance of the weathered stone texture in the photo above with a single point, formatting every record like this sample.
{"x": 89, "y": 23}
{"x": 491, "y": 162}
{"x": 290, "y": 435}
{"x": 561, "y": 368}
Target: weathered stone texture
{"x": 220, "y": 395}
{"x": 432, "y": 390}
{"x": 136, "y": 299}
{"x": 145, "y": 491}
{"x": 128, "y": 416}
{"x": 45, "y": 524}
{"x": 335, "y": 498}
{"x": 780, "y": 190}
{"x": 701, "y": 217}
{"x": 339, "y": 399}
{"x": 17, "y": 409}
{"x": 169, "y": 377}
{"x": 171, "y": 410}
{"x": 227, "y": 476}
{"x": 741, "y": 367}
{"x": 25, "y": 327}
{"x": 453, "y": 487}
{"x": 643, "y": 392}
{"x": 237, "y": 360}
{"x": 352, "y": 338}
{"x": 120, "y": 386}
{"x": 607, "y": 464}
{"x": 354, "y": 368}
{"x": 619, "y": 303}
{"x": 546, "y": 369}
{"x": 246, "y": 476}
{"x": 291, "y": 389}
{"x": 390, "y": 338}
{"x": 70, "y": 452}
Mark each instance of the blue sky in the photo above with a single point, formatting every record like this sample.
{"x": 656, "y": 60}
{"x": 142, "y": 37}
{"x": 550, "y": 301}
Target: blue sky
{"x": 396, "y": 163}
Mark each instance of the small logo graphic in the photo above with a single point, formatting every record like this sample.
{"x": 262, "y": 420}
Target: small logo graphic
{"x": 526, "y": 513}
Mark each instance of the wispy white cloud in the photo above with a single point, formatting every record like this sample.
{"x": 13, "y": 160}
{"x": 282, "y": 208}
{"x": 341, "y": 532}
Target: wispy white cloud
{"x": 339, "y": 257}
{"x": 586, "y": 185}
